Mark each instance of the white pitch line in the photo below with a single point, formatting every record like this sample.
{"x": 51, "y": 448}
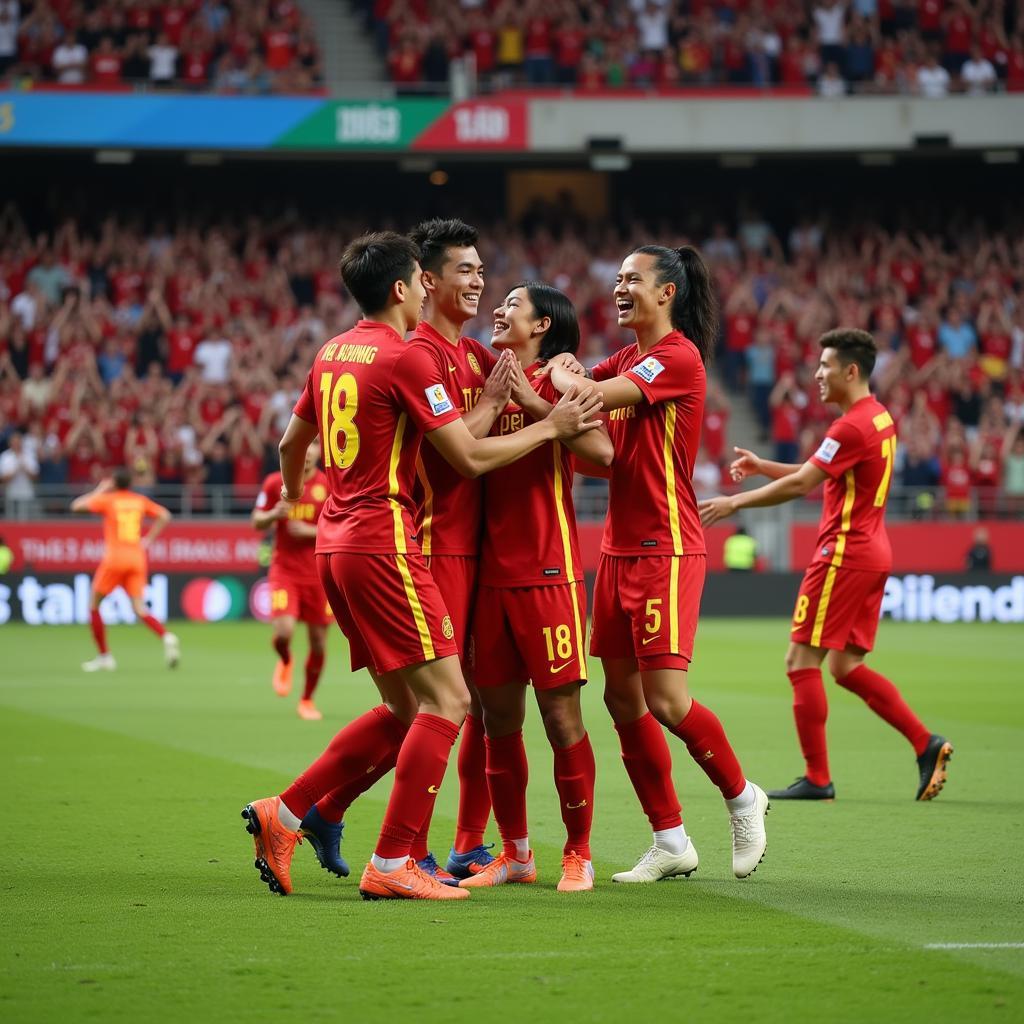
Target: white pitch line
{"x": 975, "y": 945}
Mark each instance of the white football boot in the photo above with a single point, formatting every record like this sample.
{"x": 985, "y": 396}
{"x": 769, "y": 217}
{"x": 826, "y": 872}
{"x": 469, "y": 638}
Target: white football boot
{"x": 101, "y": 663}
{"x": 657, "y": 864}
{"x": 172, "y": 650}
{"x": 749, "y": 838}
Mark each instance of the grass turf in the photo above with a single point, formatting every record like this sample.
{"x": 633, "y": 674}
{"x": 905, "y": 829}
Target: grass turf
{"x": 128, "y": 886}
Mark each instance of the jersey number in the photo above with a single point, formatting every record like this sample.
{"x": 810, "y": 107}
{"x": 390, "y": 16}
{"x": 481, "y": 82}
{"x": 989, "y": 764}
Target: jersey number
{"x": 129, "y": 526}
{"x": 653, "y": 613}
{"x": 889, "y": 454}
{"x": 561, "y": 641}
{"x": 339, "y": 403}
{"x": 800, "y": 615}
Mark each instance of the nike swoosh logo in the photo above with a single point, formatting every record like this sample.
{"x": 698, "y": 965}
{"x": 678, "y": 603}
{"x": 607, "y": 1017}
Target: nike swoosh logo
{"x": 451, "y": 369}
{"x": 576, "y": 807}
{"x": 558, "y": 668}
{"x": 431, "y": 789}
{"x": 402, "y": 885}
{"x": 650, "y": 639}
{"x": 372, "y": 768}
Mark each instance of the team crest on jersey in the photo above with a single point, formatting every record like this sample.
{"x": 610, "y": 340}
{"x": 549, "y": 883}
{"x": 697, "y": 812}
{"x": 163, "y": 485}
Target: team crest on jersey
{"x": 447, "y": 629}
{"x": 827, "y": 450}
{"x": 474, "y": 364}
{"x": 319, "y": 492}
{"x": 438, "y": 398}
{"x": 648, "y": 369}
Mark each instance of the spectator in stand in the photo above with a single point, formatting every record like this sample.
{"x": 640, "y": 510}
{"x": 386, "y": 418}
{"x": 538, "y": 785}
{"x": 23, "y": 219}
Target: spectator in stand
{"x": 933, "y": 79}
{"x": 18, "y": 472}
{"x": 70, "y": 61}
{"x": 163, "y": 61}
{"x": 761, "y": 377}
{"x": 956, "y": 483}
{"x": 787, "y": 402}
{"x": 538, "y": 50}
{"x": 979, "y": 554}
{"x": 831, "y": 85}
{"x": 958, "y": 22}
{"x": 106, "y": 64}
{"x": 10, "y": 21}
{"x": 830, "y": 21}
{"x": 859, "y": 64}
{"x": 977, "y": 75}
{"x": 957, "y": 337}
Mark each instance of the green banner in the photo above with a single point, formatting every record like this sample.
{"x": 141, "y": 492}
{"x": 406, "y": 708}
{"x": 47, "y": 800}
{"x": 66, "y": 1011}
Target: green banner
{"x": 370, "y": 125}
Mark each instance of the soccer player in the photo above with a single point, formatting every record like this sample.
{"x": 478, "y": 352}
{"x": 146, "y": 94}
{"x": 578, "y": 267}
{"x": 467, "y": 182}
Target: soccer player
{"x": 449, "y": 519}
{"x": 124, "y": 560}
{"x": 839, "y": 601}
{"x": 530, "y": 614}
{"x": 371, "y": 398}
{"x": 295, "y": 590}
{"x": 651, "y": 573}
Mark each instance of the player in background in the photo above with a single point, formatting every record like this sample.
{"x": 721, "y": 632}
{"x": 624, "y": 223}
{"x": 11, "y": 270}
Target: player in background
{"x": 124, "y": 559}
{"x": 449, "y": 519}
{"x": 371, "y": 398}
{"x": 296, "y": 594}
{"x": 840, "y": 598}
{"x": 653, "y": 559}
{"x": 529, "y": 623}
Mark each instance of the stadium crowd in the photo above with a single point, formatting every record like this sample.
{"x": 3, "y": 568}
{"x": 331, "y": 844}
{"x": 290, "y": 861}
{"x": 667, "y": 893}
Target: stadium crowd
{"x": 181, "y": 350}
{"x": 928, "y": 47}
{"x": 232, "y": 46}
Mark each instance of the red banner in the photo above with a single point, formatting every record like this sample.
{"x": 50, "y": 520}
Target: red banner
{"x": 185, "y": 546}
{"x": 486, "y": 124}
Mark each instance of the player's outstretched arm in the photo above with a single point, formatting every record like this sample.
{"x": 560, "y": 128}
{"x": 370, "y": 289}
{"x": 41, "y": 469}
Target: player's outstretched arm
{"x": 263, "y": 518}
{"x": 297, "y": 437}
{"x": 493, "y": 398}
{"x": 616, "y": 393}
{"x": 786, "y": 488}
{"x": 82, "y": 502}
{"x": 748, "y": 463}
{"x": 471, "y": 456}
{"x": 161, "y": 517}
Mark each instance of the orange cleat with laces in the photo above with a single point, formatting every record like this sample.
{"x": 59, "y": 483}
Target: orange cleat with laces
{"x": 501, "y": 870}
{"x": 283, "y": 679}
{"x": 274, "y": 843}
{"x": 309, "y": 711}
{"x": 577, "y": 874}
{"x": 407, "y": 883}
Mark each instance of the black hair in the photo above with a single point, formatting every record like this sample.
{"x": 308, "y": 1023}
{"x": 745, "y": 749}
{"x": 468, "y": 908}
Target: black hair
{"x": 373, "y": 263}
{"x": 564, "y": 333}
{"x": 852, "y": 346}
{"x": 122, "y": 478}
{"x": 433, "y": 239}
{"x": 694, "y": 306}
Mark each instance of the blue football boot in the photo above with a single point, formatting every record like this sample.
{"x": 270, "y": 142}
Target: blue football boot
{"x": 325, "y": 838}
{"x": 462, "y": 865}
{"x": 431, "y": 867}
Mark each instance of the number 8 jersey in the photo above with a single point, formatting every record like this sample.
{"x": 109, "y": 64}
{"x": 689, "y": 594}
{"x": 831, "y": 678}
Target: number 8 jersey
{"x": 857, "y": 454}
{"x": 373, "y": 397}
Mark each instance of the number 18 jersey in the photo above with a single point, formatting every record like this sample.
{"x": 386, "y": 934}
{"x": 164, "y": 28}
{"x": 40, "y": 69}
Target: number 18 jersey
{"x": 372, "y": 397}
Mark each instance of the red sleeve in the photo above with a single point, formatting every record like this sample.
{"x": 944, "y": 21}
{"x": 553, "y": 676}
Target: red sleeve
{"x": 269, "y": 493}
{"x": 586, "y": 468}
{"x": 305, "y": 407}
{"x": 546, "y": 390}
{"x": 841, "y": 449}
{"x": 417, "y": 384}
{"x": 669, "y": 374}
{"x": 606, "y": 369}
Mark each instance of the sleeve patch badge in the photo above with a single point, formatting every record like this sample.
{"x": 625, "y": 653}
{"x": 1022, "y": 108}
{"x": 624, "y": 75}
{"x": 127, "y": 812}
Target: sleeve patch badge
{"x": 827, "y": 451}
{"x": 438, "y": 399}
{"x": 648, "y": 369}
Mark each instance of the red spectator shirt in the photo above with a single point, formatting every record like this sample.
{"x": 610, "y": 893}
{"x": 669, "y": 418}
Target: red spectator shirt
{"x": 929, "y": 15}
{"x": 174, "y": 21}
{"x": 957, "y": 482}
{"x": 481, "y": 42}
{"x": 194, "y": 67}
{"x": 373, "y": 397}
{"x": 294, "y": 557}
{"x": 652, "y": 509}
{"x": 569, "y": 43}
{"x": 106, "y": 68}
{"x": 246, "y": 470}
{"x": 538, "y": 38}
{"x": 922, "y": 342}
{"x": 958, "y": 33}
{"x": 448, "y": 519}
{"x": 716, "y": 422}
{"x": 405, "y": 65}
{"x": 531, "y": 538}
{"x": 278, "y": 44}
{"x": 739, "y": 332}
{"x": 180, "y": 349}
{"x": 1015, "y": 70}
{"x": 857, "y": 453}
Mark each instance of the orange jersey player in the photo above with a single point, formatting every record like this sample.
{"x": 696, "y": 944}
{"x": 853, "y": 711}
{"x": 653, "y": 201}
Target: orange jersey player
{"x": 840, "y": 598}
{"x": 124, "y": 559}
{"x": 296, "y": 593}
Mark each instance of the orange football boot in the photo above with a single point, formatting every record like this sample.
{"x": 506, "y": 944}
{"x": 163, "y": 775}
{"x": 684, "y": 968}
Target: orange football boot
{"x": 309, "y": 711}
{"x": 274, "y": 843}
{"x": 501, "y": 870}
{"x": 283, "y": 679}
{"x": 407, "y": 883}
{"x": 577, "y": 874}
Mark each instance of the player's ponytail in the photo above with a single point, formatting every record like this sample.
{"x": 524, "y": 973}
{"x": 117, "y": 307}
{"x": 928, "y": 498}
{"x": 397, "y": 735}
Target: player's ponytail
{"x": 564, "y": 333}
{"x": 694, "y": 306}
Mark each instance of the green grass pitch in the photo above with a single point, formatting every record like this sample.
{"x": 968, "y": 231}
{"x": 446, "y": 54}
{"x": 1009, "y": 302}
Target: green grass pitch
{"x": 128, "y": 890}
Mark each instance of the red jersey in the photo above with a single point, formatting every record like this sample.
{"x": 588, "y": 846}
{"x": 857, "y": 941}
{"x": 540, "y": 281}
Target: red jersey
{"x": 449, "y": 515}
{"x": 373, "y": 398}
{"x": 294, "y": 557}
{"x": 857, "y": 454}
{"x": 652, "y": 509}
{"x": 531, "y": 537}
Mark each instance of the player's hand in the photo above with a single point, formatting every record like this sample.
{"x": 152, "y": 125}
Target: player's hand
{"x": 280, "y": 510}
{"x": 287, "y": 498}
{"x": 714, "y": 509}
{"x": 746, "y": 464}
{"x": 498, "y": 386}
{"x": 567, "y": 361}
{"x": 576, "y": 412}
{"x": 522, "y": 392}
{"x": 297, "y": 528}
{"x": 106, "y": 484}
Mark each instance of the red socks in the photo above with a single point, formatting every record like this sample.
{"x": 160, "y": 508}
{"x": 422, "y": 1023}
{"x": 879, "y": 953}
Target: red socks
{"x": 351, "y": 758}
{"x": 335, "y": 805}
{"x": 885, "y": 700}
{"x": 649, "y": 767}
{"x": 574, "y": 780}
{"x": 418, "y": 775}
{"x": 99, "y": 631}
{"x": 284, "y": 649}
{"x": 506, "y": 776}
{"x": 153, "y": 624}
{"x": 314, "y": 666}
{"x": 474, "y": 795}
{"x": 810, "y": 709}
{"x": 706, "y": 741}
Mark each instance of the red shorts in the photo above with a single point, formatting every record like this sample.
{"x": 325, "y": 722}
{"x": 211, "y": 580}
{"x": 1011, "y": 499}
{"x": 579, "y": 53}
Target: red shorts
{"x": 455, "y": 576}
{"x": 646, "y": 608}
{"x": 131, "y": 576}
{"x": 388, "y": 607}
{"x": 838, "y": 607}
{"x": 529, "y": 633}
{"x": 301, "y": 599}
